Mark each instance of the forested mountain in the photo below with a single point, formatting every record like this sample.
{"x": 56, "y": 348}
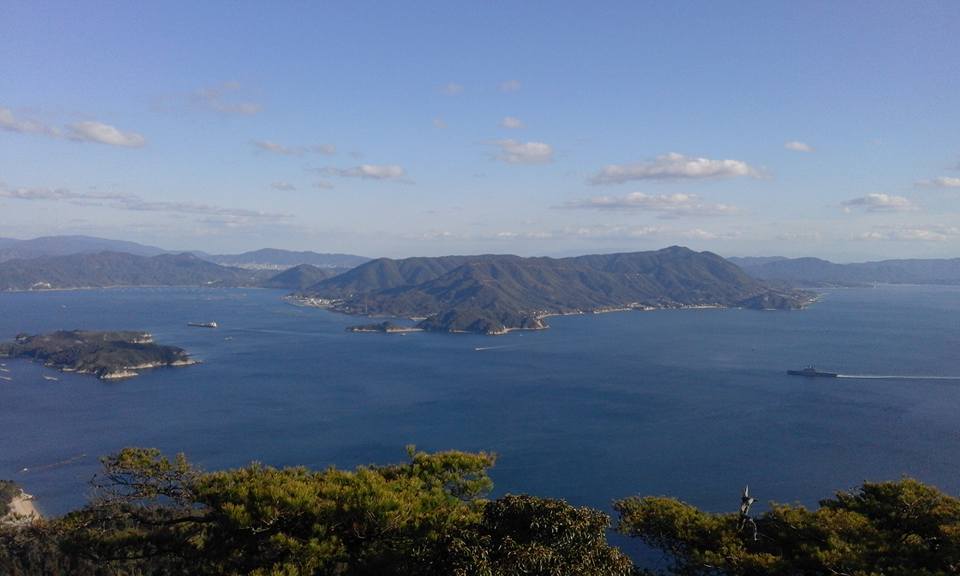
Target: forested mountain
{"x": 277, "y": 259}
{"x": 11, "y": 249}
{"x": 120, "y": 269}
{"x": 385, "y": 273}
{"x": 300, "y": 277}
{"x": 494, "y": 293}
{"x": 817, "y": 272}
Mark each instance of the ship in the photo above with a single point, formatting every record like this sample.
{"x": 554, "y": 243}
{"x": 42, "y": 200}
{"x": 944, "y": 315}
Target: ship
{"x": 811, "y": 372}
{"x": 202, "y": 324}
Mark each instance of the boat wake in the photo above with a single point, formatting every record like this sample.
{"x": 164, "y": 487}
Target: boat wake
{"x": 895, "y": 377}
{"x": 76, "y": 458}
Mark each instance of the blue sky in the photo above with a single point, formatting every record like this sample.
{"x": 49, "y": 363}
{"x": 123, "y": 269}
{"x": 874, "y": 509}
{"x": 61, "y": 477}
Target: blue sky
{"x": 396, "y": 129}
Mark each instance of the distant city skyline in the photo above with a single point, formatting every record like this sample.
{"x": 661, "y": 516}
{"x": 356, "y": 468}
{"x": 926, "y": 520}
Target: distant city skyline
{"x": 744, "y": 128}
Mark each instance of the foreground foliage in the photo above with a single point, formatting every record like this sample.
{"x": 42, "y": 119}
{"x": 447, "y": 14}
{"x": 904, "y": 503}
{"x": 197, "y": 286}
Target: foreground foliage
{"x": 153, "y": 515}
{"x": 429, "y": 516}
{"x": 890, "y": 528}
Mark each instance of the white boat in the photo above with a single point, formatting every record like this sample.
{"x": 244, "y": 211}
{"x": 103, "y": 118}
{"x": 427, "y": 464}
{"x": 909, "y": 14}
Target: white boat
{"x": 202, "y": 324}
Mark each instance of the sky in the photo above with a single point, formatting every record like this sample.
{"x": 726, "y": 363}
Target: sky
{"x": 827, "y": 129}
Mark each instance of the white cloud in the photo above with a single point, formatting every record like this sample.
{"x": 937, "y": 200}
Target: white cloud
{"x": 86, "y": 131}
{"x": 368, "y": 172}
{"x": 941, "y": 182}
{"x": 90, "y": 131}
{"x": 439, "y": 123}
{"x": 58, "y": 194}
{"x": 283, "y": 186}
{"x": 514, "y": 152}
{"x": 323, "y": 185}
{"x": 880, "y": 203}
{"x": 135, "y": 203}
{"x": 511, "y": 122}
{"x": 673, "y": 166}
{"x": 510, "y": 86}
{"x": 10, "y": 123}
{"x": 215, "y": 98}
{"x": 452, "y": 89}
{"x": 798, "y": 146}
{"x": 667, "y": 204}
{"x": 912, "y": 233}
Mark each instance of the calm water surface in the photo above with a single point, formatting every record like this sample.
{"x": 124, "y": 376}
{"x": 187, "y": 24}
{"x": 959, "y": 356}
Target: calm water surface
{"x": 688, "y": 403}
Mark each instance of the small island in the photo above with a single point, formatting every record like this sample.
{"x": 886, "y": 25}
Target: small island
{"x": 106, "y": 355}
{"x": 385, "y": 328}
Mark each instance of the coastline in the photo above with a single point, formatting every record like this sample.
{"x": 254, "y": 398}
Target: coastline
{"x": 327, "y": 304}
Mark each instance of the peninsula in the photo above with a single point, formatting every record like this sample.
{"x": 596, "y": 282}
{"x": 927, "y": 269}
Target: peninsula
{"x": 106, "y": 355}
{"x": 494, "y": 294}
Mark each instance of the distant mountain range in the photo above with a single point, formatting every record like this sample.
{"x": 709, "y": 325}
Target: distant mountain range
{"x": 814, "y": 272}
{"x": 267, "y": 258}
{"x": 11, "y": 249}
{"x": 495, "y": 293}
{"x": 281, "y": 259}
{"x": 106, "y": 269}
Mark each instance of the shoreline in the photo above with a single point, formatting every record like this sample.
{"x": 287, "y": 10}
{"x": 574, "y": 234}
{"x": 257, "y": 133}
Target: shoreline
{"x": 330, "y": 305}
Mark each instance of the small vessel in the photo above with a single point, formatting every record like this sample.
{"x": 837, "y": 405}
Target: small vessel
{"x": 51, "y": 378}
{"x": 202, "y": 324}
{"x": 811, "y": 372}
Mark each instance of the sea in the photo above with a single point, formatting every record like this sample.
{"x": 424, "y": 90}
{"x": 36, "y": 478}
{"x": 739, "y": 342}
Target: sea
{"x": 689, "y": 403}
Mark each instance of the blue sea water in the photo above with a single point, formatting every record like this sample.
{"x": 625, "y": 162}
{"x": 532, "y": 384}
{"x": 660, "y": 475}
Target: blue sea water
{"x": 691, "y": 403}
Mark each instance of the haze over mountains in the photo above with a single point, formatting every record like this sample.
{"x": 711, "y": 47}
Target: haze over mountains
{"x": 266, "y": 258}
{"x": 814, "y": 272}
{"x": 12, "y": 249}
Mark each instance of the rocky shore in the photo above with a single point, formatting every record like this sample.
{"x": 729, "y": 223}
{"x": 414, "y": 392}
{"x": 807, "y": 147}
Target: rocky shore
{"x": 106, "y": 355}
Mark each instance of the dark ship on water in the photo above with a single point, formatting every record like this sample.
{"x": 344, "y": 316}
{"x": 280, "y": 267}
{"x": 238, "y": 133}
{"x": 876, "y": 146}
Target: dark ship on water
{"x": 811, "y": 372}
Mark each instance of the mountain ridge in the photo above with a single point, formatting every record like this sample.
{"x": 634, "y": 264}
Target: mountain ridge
{"x": 493, "y": 294}
{"x": 110, "y": 269}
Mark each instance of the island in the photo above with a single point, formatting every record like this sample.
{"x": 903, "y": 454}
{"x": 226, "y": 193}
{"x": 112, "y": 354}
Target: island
{"x": 106, "y": 355}
{"x": 384, "y": 327}
{"x": 497, "y": 294}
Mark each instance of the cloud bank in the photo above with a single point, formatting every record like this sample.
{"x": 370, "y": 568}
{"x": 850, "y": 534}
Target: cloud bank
{"x": 135, "y": 203}
{"x": 368, "y": 172}
{"x": 514, "y": 152}
{"x": 667, "y": 204}
{"x": 673, "y": 166}
{"x": 880, "y": 203}
{"x": 85, "y": 131}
